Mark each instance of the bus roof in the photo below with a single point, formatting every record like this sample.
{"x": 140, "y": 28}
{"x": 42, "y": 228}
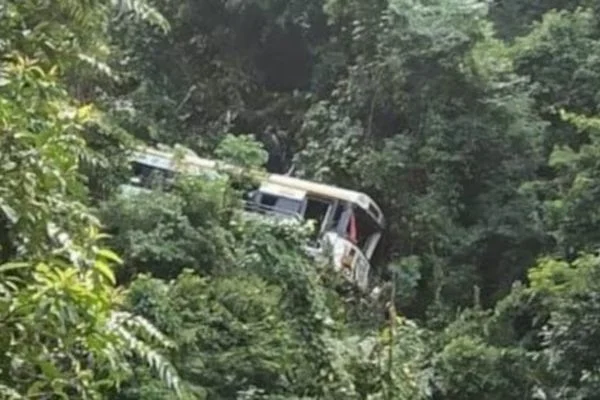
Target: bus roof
{"x": 331, "y": 192}
{"x": 193, "y": 163}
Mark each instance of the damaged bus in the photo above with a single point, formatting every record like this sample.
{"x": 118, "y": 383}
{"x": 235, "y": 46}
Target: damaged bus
{"x": 348, "y": 224}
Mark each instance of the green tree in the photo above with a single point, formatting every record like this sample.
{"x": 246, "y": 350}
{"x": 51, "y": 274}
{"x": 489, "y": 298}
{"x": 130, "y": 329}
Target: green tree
{"x": 435, "y": 123}
{"x": 65, "y": 333}
{"x": 446, "y": 112}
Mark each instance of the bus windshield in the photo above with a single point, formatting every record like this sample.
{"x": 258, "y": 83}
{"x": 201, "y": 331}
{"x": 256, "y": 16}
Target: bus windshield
{"x": 364, "y": 227}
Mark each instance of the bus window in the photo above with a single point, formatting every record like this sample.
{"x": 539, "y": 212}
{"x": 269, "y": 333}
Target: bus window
{"x": 280, "y": 204}
{"x": 141, "y": 172}
{"x": 336, "y": 219}
{"x": 145, "y": 175}
{"x": 365, "y": 228}
{"x": 316, "y": 209}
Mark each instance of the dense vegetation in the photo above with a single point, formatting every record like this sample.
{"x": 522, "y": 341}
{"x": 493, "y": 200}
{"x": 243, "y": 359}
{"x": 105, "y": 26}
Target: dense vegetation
{"x": 476, "y": 126}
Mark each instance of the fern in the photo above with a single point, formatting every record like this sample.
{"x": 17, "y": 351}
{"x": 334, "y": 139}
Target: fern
{"x": 126, "y": 325}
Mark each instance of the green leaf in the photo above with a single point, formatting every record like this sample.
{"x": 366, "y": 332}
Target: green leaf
{"x": 105, "y": 270}
{"x": 10, "y": 213}
{"x": 112, "y": 256}
{"x": 11, "y": 266}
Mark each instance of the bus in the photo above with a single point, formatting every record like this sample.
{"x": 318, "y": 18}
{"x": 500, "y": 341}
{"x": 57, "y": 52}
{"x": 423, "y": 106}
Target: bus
{"x": 348, "y": 224}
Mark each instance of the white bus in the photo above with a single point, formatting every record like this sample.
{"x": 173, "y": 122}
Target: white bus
{"x": 347, "y": 222}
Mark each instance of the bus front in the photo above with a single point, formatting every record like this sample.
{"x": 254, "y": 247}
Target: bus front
{"x": 353, "y": 239}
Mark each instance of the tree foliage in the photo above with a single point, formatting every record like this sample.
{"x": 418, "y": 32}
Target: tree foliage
{"x": 473, "y": 124}
{"x": 65, "y": 333}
